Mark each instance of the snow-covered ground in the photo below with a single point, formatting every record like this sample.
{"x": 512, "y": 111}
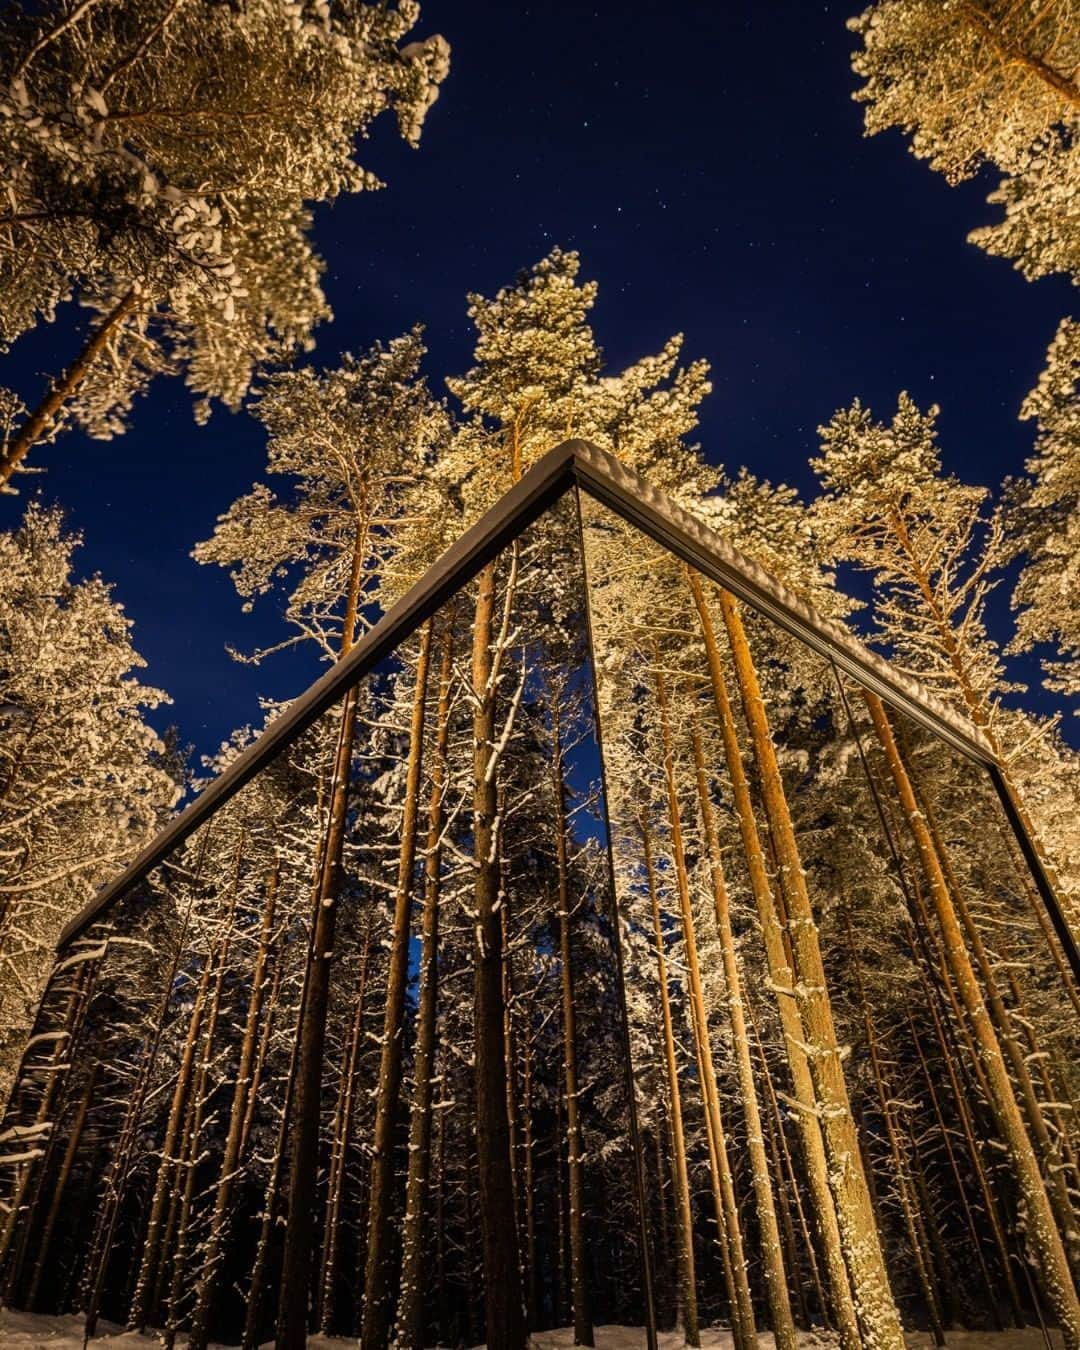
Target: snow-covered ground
{"x": 30, "y": 1331}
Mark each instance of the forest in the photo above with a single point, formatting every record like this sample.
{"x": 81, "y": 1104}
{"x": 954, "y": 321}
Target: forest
{"x": 681, "y": 940}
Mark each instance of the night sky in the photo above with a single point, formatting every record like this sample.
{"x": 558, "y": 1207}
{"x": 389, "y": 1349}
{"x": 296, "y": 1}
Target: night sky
{"x": 709, "y": 165}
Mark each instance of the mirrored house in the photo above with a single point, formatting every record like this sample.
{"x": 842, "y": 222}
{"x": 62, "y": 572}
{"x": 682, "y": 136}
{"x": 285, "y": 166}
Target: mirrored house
{"x": 607, "y": 940}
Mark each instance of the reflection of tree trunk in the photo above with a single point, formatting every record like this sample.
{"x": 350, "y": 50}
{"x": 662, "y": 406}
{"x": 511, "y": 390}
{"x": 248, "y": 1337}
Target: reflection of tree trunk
{"x": 974, "y": 1236}
{"x": 19, "y": 1219}
{"x": 339, "y": 1145}
{"x": 140, "y": 1308}
{"x": 1049, "y": 1152}
{"x": 306, "y": 1091}
{"x": 532, "y": 1273}
{"x": 505, "y": 1322}
{"x": 1056, "y": 1095}
{"x": 583, "y": 1331}
{"x": 213, "y": 1254}
{"x": 885, "y": 1112}
{"x": 947, "y": 1054}
{"x": 1043, "y": 1237}
{"x": 121, "y": 1159}
{"x": 299, "y": 1230}
{"x": 680, "y": 1173}
{"x": 440, "y": 1203}
{"x": 742, "y": 1309}
{"x": 60, "y": 1186}
{"x": 861, "y": 1242}
{"x": 150, "y": 1274}
{"x": 781, "y": 978}
{"x": 268, "y": 1221}
{"x": 376, "y": 1323}
{"x": 789, "y": 1184}
{"x": 190, "y": 1154}
{"x": 410, "y": 1307}
{"x": 772, "y": 1257}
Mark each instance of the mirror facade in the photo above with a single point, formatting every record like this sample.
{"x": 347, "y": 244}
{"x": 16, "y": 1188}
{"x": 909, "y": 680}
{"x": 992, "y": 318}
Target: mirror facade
{"x": 604, "y": 957}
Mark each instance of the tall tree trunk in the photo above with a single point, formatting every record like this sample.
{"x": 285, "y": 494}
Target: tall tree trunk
{"x": 408, "y": 1333}
{"x": 21, "y": 1216}
{"x": 306, "y": 1092}
{"x": 947, "y": 1053}
{"x": 776, "y": 1290}
{"x": 440, "y": 1204}
{"x": 268, "y": 1222}
{"x": 1043, "y": 1236}
{"x": 742, "y": 1308}
{"x": 179, "y": 1109}
{"x": 295, "y": 1293}
{"x": 780, "y": 974}
{"x": 583, "y": 1330}
{"x": 1053, "y": 1171}
{"x": 343, "y": 1126}
{"x": 528, "y": 1141}
{"x": 504, "y": 1313}
{"x": 41, "y": 421}
{"x": 785, "y": 1171}
{"x": 688, "y": 1302}
{"x": 885, "y": 1113}
{"x": 862, "y": 1246}
{"x": 60, "y": 1186}
{"x": 974, "y": 1236}
{"x": 976, "y": 700}
{"x": 191, "y": 1150}
{"x": 376, "y": 1322}
{"x": 213, "y": 1255}
{"x": 120, "y": 1163}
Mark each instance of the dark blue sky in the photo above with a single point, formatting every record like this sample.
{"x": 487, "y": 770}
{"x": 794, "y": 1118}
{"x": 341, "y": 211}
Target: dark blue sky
{"x": 708, "y": 163}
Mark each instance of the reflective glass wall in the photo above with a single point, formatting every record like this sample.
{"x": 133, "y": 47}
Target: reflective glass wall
{"x": 605, "y": 957}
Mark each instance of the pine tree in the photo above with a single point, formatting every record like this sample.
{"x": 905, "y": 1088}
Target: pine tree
{"x": 1044, "y": 514}
{"x": 161, "y": 161}
{"x": 935, "y": 552}
{"x": 84, "y": 780}
{"x": 987, "y": 82}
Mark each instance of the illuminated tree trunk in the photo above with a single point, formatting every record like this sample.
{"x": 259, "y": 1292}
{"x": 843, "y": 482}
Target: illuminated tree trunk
{"x": 688, "y": 1303}
{"x": 1043, "y": 1238}
{"x": 120, "y": 1163}
{"x": 742, "y": 1310}
{"x": 1046, "y": 1147}
{"x": 583, "y": 1331}
{"x": 140, "y": 1307}
{"x": 885, "y": 1112}
{"x": 772, "y": 1256}
{"x": 343, "y": 1126}
{"x": 947, "y": 1054}
{"x": 42, "y": 420}
{"x": 1053, "y": 1093}
{"x": 411, "y": 1300}
{"x": 782, "y": 980}
{"x": 376, "y": 1323}
{"x": 861, "y": 1243}
{"x": 532, "y": 1273}
{"x": 307, "y": 1094}
{"x": 974, "y": 1236}
{"x": 60, "y": 1186}
{"x": 213, "y": 1255}
{"x": 179, "y": 1110}
{"x": 789, "y": 1184}
{"x": 20, "y": 1215}
{"x": 267, "y": 1224}
{"x": 191, "y": 1147}
{"x": 504, "y": 1314}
